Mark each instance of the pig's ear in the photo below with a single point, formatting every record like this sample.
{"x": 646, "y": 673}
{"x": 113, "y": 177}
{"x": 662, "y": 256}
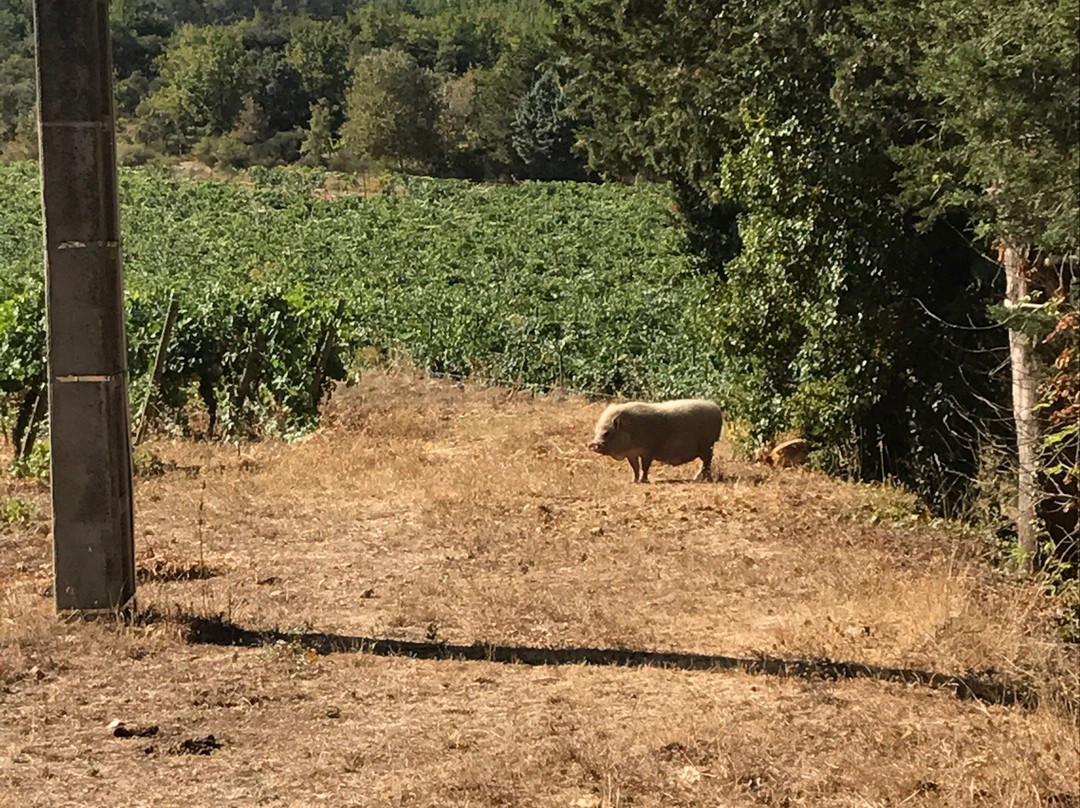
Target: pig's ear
{"x": 616, "y": 422}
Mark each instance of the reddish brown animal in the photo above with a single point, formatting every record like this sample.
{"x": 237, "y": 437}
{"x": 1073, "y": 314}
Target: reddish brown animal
{"x": 672, "y": 432}
{"x": 789, "y": 453}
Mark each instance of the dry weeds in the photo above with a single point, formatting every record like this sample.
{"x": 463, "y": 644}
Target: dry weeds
{"x": 433, "y": 511}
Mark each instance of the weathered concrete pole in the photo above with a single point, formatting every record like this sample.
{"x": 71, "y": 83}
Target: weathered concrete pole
{"x": 93, "y": 536}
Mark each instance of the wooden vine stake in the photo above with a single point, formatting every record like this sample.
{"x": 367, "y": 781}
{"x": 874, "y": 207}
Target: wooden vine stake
{"x": 250, "y": 376}
{"x": 159, "y": 366}
{"x": 25, "y": 443}
{"x": 326, "y": 345}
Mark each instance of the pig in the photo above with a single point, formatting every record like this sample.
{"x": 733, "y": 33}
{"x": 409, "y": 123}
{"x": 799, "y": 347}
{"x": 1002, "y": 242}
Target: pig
{"x": 672, "y": 432}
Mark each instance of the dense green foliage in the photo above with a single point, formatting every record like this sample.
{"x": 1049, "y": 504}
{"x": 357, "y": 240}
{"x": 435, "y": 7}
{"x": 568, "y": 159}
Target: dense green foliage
{"x": 254, "y": 83}
{"x": 543, "y": 132}
{"x": 542, "y": 284}
{"x": 979, "y": 104}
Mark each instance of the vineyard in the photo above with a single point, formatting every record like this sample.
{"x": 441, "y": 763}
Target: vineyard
{"x": 282, "y": 289}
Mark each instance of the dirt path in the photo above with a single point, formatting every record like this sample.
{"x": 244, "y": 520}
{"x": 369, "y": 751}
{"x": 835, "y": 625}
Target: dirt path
{"x": 434, "y": 515}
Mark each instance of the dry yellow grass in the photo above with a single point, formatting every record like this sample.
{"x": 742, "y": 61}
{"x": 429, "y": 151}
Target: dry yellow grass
{"x": 427, "y": 511}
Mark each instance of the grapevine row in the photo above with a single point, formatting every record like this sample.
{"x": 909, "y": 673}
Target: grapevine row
{"x": 541, "y": 284}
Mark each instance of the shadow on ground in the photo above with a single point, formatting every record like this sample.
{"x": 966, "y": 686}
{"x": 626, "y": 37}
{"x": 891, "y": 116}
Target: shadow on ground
{"x": 980, "y": 686}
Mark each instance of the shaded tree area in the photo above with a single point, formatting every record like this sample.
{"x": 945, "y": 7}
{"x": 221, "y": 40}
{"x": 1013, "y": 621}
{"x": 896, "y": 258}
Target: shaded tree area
{"x": 244, "y": 82}
{"x": 845, "y": 170}
{"x": 980, "y": 104}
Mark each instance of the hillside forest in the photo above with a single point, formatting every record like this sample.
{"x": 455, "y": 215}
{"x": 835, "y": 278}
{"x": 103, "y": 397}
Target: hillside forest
{"x": 872, "y": 205}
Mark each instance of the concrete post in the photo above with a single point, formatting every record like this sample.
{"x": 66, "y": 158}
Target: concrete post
{"x": 93, "y": 535}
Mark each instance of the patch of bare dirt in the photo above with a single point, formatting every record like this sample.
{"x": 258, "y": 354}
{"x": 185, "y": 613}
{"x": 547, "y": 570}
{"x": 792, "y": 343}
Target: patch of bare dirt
{"x": 438, "y": 517}
{"x": 335, "y": 186}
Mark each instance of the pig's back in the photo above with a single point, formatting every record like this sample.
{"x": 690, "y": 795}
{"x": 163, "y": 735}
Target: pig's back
{"x": 699, "y": 415}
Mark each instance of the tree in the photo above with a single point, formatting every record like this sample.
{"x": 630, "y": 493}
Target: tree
{"x": 395, "y": 24}
{"x": 277, "y": 87}
{"x": 205, "y": 74}
{"x": 734, "y": 108}
{"x": 251, "y": 122}
{"x": 17, "y": 93}
{"x": 17, "y": 28}
{"x": 17, "y": 75}
{"x": 980, "y": 102}
{"x": 393, "y": 108}
{"x": 319, "y": 141}
{"x": 179, "y": 75}
{"x": 498, "y": 92}
{"x": 319, "y": 52}
{"x": 458, "y": 126}
{"x": 140, "y": 34}
{"x": 543, "y": 132}
{"x": 465, "y": 42}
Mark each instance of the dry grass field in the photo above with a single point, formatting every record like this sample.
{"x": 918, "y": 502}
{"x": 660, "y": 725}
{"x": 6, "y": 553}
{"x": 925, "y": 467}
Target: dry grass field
{"x": 275, "y": 580}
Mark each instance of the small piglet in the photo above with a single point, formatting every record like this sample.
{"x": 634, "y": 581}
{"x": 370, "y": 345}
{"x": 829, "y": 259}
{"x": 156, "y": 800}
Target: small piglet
{"x": 789, "y": 453}
{"x": 673, "y": 432}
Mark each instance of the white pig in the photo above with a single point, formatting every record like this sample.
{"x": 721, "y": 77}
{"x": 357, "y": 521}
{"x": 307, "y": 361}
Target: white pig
{"x": 672, "y": 432}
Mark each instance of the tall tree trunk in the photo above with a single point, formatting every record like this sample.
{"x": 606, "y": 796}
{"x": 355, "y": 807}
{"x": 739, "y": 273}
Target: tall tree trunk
{"x": 1025, "y": 395}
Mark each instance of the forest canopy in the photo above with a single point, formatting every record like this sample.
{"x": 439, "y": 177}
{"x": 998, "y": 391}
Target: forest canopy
{"x": 260, "y": 83}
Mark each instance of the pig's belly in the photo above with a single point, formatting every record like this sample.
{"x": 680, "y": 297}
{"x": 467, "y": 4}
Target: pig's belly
{"x": 677, "y": 452}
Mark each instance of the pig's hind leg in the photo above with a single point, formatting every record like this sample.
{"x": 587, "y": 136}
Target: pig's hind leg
{"x": 705, "y": 475}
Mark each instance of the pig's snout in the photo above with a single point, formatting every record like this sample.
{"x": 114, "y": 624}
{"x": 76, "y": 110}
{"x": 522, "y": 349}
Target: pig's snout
{"x": 594, "y": 447}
